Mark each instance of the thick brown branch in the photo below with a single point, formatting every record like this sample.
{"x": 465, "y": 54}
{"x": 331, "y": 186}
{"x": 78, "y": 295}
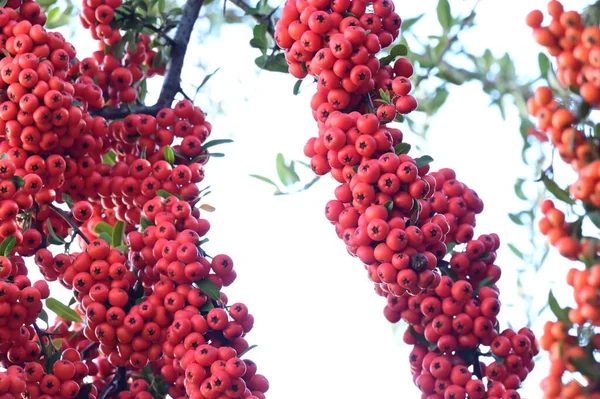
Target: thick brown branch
{"x": 172, "y": 82}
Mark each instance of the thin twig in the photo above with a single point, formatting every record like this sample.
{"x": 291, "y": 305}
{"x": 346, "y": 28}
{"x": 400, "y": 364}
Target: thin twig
{"x": 70, "y": 221}
{"x": 41, "y": 336}
{"x": 171, "y": 84}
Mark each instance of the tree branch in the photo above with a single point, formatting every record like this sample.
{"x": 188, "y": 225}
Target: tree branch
{"x": 70, "y": 221}
{"x": 172, "y": 82}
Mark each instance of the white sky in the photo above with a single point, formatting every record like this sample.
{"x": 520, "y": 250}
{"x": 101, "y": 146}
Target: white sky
{"x": 319, "y": 326}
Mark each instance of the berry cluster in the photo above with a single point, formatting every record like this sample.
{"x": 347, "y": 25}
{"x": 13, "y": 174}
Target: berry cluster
{"x": 150, "y": 318}
{"x": 118, "y": 76}
{"x": 572, "y": 341}
{"x": 413, "y": 229}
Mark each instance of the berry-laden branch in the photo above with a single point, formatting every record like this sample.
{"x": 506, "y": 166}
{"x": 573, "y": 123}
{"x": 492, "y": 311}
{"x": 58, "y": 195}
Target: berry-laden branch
{"x": 172, "y": 82}
{"x": 565, "y": 119}
{"x": 412, "y": 228}
{"x": 149, "y": 317}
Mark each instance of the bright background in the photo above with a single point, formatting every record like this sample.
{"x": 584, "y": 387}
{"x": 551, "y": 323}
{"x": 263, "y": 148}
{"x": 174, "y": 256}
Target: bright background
{"x": 319, "y": 326}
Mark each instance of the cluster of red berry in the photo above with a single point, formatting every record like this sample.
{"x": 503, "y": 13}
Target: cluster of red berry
{"x": 118, "y": 77}
{"x": 565, "y": 120}
{"x": 401, "y": 220}
{"x": 150, "y": 318}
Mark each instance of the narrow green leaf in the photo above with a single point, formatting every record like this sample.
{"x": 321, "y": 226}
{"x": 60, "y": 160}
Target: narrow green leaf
{"x": 544, "y": 64}
{"x": 63, "y": 310}
{"x": 7, "y": 245}
{"x": 206, "y": 79}
{"x": 516, "y": 251}
{"x": 267, "y": 180}
{"x": 389, "y": 205}
{"x": 169, "y": 155}
{"x": 209, "y": 288}
{"x": 558, "y": 192}
{"x": 516, "y": 218}
{"x": 144, "y": 222}
{"x": 207, "y": 307}
{"x": 161, "y": 6}
{"x": 213, "y": 143}
{"x": 587, "y": 367}
{"x": 53, "y": 238}
{"x": 297, "y": 86}
{"x": 247, "y": 350}
{"x": 117, "y": 235}
{"x": 283, "y": 171}
{"x": 560, "y": 313}
{"x": 409, "y": 22}
{"x": 486, "y": 282}
{"x": 51, "y": 360}
{"x": 444, "y": 15}
{"x": 519, "y": 189}
{"x": 68, "y": 200}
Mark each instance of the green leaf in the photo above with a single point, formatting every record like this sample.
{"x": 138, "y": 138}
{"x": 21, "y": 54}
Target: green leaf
{"x": 63, "y": 310}
{"x": 544, "y": 64}
{"x": 161, "y": 6}
{"x": 402, "y": 148}
{"x": 207, "y": 307}
{"x": 105, "y": 236}
{"x": 484, "y": 283}
{"x": 209, "y": 288}
{"x": 516, "y": 251}
{"x": 409, "y": 22}
{"x": 275, "y": 63}
{"x": 52, "y": 237}
{"x": 117, "y": 235}
{"x": 268, "y": 181}
{"x": 213, "y": 143}
{"x": 103, "y": 227}
{"x": 558, "y": 192}
{"x": 587, "y": 367}
{"x": 68, "y": 200}
{"x": 444, "y": 15}
{"x": 164, "y": 193}
{"x": 144, "y": 222}
{"x": 560, "y": 313}
{"x": 17, "y": 181}
{"x": 516, "y": 218}
{"x": 424, "y": 160}
{"x": 169, "y": 155}
{"x": 206, "y": 79}
{"x": 519, "y": 189}
{"x": 51, "y": 360}
{"x": 259, "y": 39}
{"x": 389, "y": 205}
{"x": 297, "y": 86}
{"x": 43, "y": 316}
{"x": 247, "y": 350}
{"x": 7, "y": 245}
{"x": 594, "y": 217}
{"x": 110, "y": 158}
{"x": 286, "y": 173}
